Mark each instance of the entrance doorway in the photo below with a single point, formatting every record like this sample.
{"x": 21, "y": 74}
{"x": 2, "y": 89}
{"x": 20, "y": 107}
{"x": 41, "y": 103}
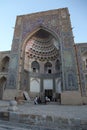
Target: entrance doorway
{"x": 49, "y": 93}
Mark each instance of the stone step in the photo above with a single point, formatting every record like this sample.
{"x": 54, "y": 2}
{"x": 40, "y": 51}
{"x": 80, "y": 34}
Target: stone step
{"x": 39, "y": 122}
{"x": 5, "y": 125}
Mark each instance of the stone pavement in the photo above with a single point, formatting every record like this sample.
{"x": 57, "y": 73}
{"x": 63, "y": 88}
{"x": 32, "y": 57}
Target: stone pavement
{"x": 51, "y": 109}
{"x": 4, "y": 125}
{"x": 16, "y": 126}
{"x": 50, "y": 116}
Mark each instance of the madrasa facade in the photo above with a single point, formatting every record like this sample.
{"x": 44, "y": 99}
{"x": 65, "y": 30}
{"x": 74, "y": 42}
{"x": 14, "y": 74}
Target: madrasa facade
{"x": 44, "y": 60}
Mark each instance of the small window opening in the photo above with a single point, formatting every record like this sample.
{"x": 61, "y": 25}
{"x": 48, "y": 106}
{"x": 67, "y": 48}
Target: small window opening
{"x": 34, "y": 69}
{"x": 49, "y": 71}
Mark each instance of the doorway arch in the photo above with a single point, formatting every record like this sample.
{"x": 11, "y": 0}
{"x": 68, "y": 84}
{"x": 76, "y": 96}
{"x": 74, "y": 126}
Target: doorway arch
{"x": 3, "y": 81}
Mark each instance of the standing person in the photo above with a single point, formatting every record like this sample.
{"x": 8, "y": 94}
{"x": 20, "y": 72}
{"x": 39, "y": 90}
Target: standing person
{"x": 39, "y": 100}
{"x": 35, "y": 100}
{"x": 47, "y": 99}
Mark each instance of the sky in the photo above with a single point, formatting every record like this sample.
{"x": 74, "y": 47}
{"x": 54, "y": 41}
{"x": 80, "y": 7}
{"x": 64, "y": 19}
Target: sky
{"x": 10, "y": 9}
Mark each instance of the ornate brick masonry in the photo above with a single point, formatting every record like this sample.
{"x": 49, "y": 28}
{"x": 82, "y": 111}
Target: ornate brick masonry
{"x": 44, "y": 60}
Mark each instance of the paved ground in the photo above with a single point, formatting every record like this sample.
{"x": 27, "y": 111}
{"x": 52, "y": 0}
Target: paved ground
{"x": 53, "y": 109}
{"x": 50, "y": 109}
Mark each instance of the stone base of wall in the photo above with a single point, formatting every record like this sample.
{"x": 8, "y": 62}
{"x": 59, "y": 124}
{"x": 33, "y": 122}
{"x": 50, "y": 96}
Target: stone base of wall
{"x": 84, "y": 100}
{"x": 9, "y": 94}
{"x": 33, "y": 94}
{"x": 71, "y": 98}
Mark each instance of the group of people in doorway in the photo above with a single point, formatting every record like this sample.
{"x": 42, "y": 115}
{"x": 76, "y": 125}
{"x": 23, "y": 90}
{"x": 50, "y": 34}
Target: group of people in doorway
{"x": 38, "y": 100}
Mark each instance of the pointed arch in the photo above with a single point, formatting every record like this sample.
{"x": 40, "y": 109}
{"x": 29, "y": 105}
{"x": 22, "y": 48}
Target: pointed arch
{"x": 57, "y": 65}
{"x": 35, "y": 66}
{"x": 28, "y": 36}
{"x": 5, "y": 63}
{"x": 3, "y": 81}
{"x": 48, "y": 67}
